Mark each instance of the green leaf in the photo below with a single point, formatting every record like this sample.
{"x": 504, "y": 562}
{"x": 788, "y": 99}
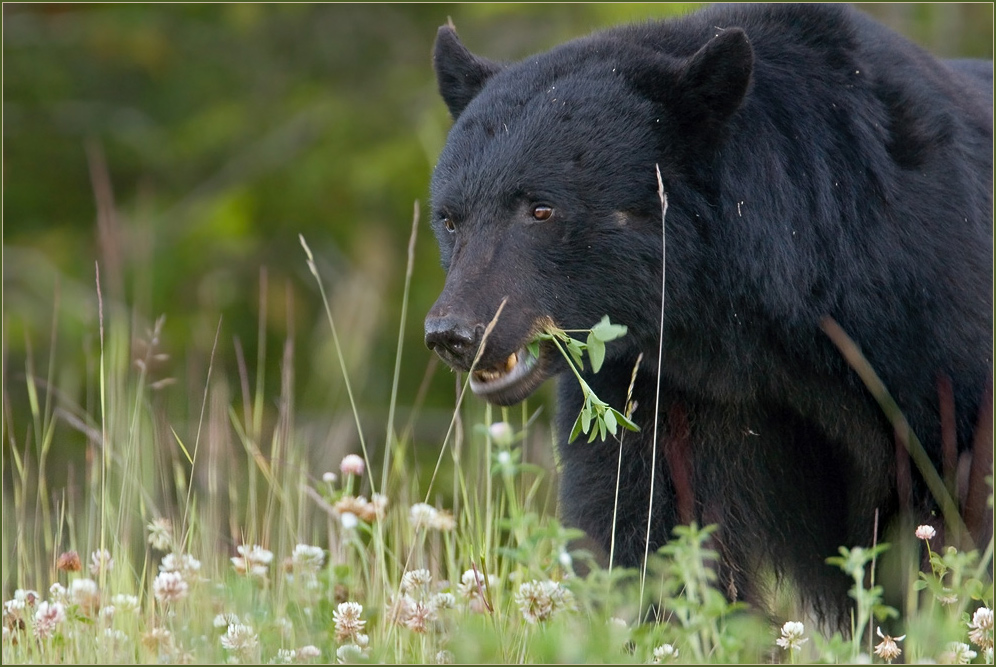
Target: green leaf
{"x": 609, "y": 419}
{"x": 606, "y": 331}
{"x": 533, "y": 347}
{"x": 626, "y": 423}
{"x": 577, "y": 429}
{"x": 586, "y": 418}
{"x": 576, "y": 351}
{"x": 596, "y": 352}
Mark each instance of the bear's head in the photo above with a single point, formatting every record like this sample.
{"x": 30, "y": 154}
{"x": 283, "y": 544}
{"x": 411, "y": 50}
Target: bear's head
{"x": 545, "y": 198}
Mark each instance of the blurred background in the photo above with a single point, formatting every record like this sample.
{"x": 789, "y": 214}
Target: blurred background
{"x": 184, "y": 147}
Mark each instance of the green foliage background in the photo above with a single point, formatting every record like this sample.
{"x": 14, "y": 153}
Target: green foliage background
{"x": 214, "y": 134}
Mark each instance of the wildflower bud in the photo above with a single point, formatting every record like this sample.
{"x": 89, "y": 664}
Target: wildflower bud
{"x": 501, "y": 433}
{"x": 69, "y": 562}
{"x": 352, "y": 465}
{"x": 329, "y": 478}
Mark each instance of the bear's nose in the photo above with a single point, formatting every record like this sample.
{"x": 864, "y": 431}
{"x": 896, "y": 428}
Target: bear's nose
{"x": 453, "y": 339}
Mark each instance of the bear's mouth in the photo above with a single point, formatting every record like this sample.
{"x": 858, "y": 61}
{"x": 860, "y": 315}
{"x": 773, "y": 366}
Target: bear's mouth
{"x": 518, "y": 376}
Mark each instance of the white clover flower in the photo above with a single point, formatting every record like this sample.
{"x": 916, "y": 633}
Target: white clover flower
{"x": 308, "y": 558}
{"x": 169, "y": 587}
{"x": 13, "y": 611}
{"x": 85, "y": 593}
{"x": 346, "y": 618}
{"x": 350, "y": 653}
{"x": 925, "y": 532}
{"x": 416, "y": 581}
{"x": 329, "y": 477}
{"x": 540, "y": 600}
{"x": 253, "y": 560}
{"x": 442, "y": 601}
{"x": 286, "y": 656}
{"x": 443, "y": 521}
{"x": 57, "y": 593}
{"x": 222, "y": 621}
{"x": 665, "y": 653}
{"x": 185, "y": 564}
{"x": 160, "y": 534}
{"x": 792, "y": 638}
{"x": 241, "y": 640}
{"x": 472, "y": 588}
{"x": 422, "y": 515}
{"x": 444, "y": 657}
{"x": 957, "y": 653}
{"x": 888, "y": 649}
{"x": 352, "y": 465}
{"x": 980, "y": 628}
{"x": 112, "y": 636}
{"x": 158, "y": 639}
{"x": 308, "y": 652}
{"x": 101, "y": 561}
{"x": 378, "y": 503}
{"x": 47, "y": 618}
{"x": 348, "y": 521}
{"x": 126, "y": 603}
{"x": 107, "y": 613}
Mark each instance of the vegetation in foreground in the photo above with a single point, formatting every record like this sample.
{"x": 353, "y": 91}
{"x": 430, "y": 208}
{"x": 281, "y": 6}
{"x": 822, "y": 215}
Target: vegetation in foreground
{"x": 350, "y": 565}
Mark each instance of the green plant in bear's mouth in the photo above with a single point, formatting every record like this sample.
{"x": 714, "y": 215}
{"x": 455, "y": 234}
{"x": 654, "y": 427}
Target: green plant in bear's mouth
{"x": 606, "y": 418}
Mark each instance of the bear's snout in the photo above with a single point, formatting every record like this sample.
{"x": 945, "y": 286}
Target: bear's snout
{"x": 453, "y": 338}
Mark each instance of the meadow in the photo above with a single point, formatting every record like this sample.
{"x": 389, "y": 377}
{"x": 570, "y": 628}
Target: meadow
{"x": 366, "y": 562}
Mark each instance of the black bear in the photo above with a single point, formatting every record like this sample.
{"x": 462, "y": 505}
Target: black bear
{"x": 816, "y": 166}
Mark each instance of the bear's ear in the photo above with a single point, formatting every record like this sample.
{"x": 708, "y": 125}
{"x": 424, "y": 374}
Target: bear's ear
{"x": 459, "y": 73}
{"x": 713, "y": 82}
{"x": 704, "y": 90}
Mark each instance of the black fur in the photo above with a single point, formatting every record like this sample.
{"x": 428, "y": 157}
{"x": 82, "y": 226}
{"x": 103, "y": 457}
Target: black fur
{"x": 816, "y": 164}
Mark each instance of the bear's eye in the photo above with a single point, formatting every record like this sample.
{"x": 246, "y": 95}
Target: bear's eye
{"x": 448, "y": 224}
{"x": 541, "y": 212}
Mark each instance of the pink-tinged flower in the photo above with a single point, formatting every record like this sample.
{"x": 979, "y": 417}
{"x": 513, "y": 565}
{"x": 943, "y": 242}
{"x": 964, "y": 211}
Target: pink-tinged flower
{"x": 352, "y": 465}
{"x": 69, "y": 562}
{"x": 101, "y": 561}
{"x": 347, "y": 620}
{"x": 170, "y": 587}
{"x": 925, "y": 532}
{"x": 48, "y": 618}
{"x": 980, "y": 628}
{"x": 329, "y": 477}
{"x": 888, "y": 649}
{"x": 421, "y": 617}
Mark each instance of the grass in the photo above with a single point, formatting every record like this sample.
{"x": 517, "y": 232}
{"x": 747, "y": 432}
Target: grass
{"x": 363, "y": 563}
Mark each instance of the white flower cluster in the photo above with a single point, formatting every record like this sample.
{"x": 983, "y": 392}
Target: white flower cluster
{"x": 539, "y": 601}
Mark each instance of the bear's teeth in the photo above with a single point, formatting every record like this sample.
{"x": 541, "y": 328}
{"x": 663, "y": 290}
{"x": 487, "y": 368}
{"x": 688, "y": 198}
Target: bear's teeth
{"x": 512, "y": 360}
